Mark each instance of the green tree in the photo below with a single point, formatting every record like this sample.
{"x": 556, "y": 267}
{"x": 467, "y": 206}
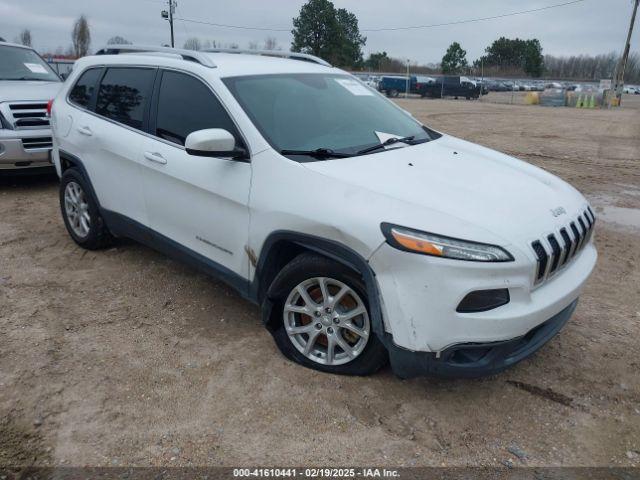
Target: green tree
{"x": 533, "y": 58}
{"x": 329, "y": 33}
{"x": 506, "y": 53}
{"x": 455, "y": 60}
{"x": 377, "y": 61}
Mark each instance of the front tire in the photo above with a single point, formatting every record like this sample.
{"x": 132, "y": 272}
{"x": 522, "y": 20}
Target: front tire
{"x": 80, "y": 212}
{"x": 321, "y": 320}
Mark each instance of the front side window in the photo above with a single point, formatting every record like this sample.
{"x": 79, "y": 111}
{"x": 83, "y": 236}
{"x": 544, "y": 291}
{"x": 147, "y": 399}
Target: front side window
{"x": 23, "y": 64}
{"x": 124, "y": 93}
{"x": 186, "y": 105}
{"x": 307, "y": 112}
{"x": 82, "y": 91}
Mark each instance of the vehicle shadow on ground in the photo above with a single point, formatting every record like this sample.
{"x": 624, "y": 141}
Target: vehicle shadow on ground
{"x": 13, "y": 180}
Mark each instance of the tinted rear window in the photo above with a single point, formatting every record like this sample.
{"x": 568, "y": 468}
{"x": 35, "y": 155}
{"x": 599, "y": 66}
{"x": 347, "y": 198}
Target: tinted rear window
{"x": 82, "y": 91}
{"x": 124, "y": 93}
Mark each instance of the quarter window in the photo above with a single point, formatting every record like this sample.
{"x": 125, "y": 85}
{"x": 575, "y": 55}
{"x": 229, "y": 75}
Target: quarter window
{"x": 124, "y": 93}
{"x": 82, "y": 91}
{"x": 186, "y": 105}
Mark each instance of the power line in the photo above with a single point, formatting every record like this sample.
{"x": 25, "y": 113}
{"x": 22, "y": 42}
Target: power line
{"x": 391, "y": 29}
{"x": 232, "y": 26}
{"x": 471, "y": 20}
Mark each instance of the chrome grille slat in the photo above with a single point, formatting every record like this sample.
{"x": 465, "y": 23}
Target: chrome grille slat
{"x": 556, "y": 249}
{"x": 28, "y": 115}
{"x": 36, "y": 143}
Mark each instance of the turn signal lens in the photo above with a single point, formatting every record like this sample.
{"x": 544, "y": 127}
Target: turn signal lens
{"x": 427, "y": 243}
{"x": 416, "y": 244}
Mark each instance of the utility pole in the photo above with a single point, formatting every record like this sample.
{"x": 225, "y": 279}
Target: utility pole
{"x": 618, "y": 78}
{"x": 168, "y": 15}
{"x": 406, "y": 91}
{"x": 481, "y": 76}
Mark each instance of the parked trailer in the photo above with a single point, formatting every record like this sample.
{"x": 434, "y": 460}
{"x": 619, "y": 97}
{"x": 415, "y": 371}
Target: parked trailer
{"x": 392, "y": 86}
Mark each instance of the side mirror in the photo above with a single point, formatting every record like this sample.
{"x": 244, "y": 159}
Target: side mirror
{"x": 213, "y": 142}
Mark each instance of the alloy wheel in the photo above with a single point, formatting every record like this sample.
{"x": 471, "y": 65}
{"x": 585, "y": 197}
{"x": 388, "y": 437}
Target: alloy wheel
{"x": 326, "y": 321}
{"x": 77, "y": 209}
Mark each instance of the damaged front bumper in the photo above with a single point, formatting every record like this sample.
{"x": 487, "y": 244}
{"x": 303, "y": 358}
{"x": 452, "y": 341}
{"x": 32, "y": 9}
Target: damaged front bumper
{"x": 470, "y": 360}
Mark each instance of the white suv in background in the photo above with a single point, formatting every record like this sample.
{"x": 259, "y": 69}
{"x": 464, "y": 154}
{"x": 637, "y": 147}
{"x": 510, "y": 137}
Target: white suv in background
{"x": 27, "y": 83}
{"x": 363, "y": 234}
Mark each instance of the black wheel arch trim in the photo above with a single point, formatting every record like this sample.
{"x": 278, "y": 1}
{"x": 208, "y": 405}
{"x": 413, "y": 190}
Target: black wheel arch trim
{"x": 76, "y": 162}
{"x": 329, "y": 248}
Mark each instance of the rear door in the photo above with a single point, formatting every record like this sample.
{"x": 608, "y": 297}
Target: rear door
{"x": 114, "y": 136}
{"x": 199, "y": 202}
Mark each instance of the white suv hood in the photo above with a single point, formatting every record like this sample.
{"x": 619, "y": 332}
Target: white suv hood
{"x": 26, "y": 90}
{"x": 449, "y": 177}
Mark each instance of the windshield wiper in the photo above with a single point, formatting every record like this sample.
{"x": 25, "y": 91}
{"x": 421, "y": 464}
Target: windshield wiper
{"x": 386, "y": 143}
{"x": 317, "y": 153}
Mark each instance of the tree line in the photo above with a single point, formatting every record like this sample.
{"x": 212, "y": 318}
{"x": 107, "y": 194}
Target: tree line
{"x": 333, "y": 33}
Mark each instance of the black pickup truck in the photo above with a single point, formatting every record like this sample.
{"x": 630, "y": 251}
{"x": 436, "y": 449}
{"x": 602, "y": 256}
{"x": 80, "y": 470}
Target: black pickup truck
{"x": 450, "y": 86}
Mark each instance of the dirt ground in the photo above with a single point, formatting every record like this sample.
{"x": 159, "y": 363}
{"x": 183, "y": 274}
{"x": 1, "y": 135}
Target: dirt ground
{"x": 125, "y": 357}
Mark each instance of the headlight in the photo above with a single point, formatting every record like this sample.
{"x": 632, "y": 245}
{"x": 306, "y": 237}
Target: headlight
{"x": 426, "y": 243}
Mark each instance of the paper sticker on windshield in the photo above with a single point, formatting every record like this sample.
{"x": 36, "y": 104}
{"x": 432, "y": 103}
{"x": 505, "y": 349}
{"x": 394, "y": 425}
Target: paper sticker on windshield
{"x": 383, "y": 137}
{"x": 36, "y": 68}
{"x": 354, "y": 86}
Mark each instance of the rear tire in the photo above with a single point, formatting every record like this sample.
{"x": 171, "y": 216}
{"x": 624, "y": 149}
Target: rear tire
{"x": 320, "y": 317}
{"x": 393, "y": 93}
{"x": 80, "y": 212}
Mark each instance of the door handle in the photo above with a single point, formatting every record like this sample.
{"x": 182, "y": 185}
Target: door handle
{"x": 155, "y": 157}
{"x": 85, "y": 131}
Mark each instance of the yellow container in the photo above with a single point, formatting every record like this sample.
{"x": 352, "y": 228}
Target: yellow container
{"x": 532, "y": 98}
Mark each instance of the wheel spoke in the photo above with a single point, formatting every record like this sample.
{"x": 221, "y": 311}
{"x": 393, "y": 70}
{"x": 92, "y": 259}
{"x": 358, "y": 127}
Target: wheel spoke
{"x": 297, "y": 309}
{"x": 324, "y": 289}
{"x": 84, "y": 224}
{"x": 301, "y": 329}
{"x": 360, "y": 310}
{"x": 73, "y": 190}
{"x": 331, "y": 349}
{"x": 311, "y": 341}
{"x": 306, "y": 298}
{"x": 336, "y": 299}
{"x": 355, "y": 329}
{"x": 344, "y": 346}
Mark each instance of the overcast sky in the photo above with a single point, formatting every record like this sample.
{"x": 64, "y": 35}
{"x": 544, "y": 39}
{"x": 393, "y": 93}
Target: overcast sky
{"x": 590, "y": 27}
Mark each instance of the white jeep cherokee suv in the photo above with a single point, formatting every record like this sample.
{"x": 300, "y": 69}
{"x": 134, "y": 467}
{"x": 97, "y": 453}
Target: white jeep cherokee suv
{"x": 363, "y": 234}
{"x": 27, "y": 83}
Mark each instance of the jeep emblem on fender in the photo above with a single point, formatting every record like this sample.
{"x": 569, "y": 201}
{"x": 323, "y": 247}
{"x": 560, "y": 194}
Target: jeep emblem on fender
{"x": 558, "y": 211}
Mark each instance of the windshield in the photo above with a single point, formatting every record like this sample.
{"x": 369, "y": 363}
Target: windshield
{"x": 23, "y": 64}
{"x": 307, "y": 112}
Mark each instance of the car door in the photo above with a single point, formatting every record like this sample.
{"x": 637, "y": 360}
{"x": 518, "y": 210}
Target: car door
{"x": 114, "y": 138}
{"x": 199, "y": 202}
{"x": 74, "y": 130}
